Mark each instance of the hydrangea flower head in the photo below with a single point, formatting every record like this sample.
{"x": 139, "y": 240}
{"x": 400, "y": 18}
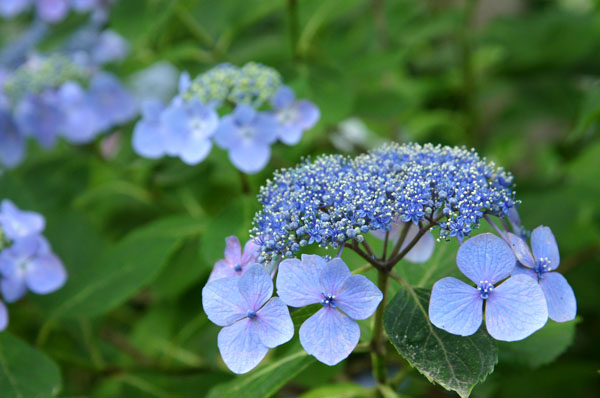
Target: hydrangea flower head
{"x": 539, "y": 263}
{"x": 514, "y": 308}
{"x": 236, "y": 261}
{"x": 252, "y": 320}
{"x": 29, "y": 264}
{"x": 421, "y": 252}
{"x": 293, "y": 117}
{"x": 332, "y": 333}
{"x": 247, "y": 134}
{"x": 17, "y": 223}
{"x": 335, "y": 198}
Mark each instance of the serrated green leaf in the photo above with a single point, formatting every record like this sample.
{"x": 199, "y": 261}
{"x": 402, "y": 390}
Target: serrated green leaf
{"x": 456, "y": 363}
{"x": 542, "y": 347}
{"x": 264, "y": 381}
{"x": 26, "y": 372}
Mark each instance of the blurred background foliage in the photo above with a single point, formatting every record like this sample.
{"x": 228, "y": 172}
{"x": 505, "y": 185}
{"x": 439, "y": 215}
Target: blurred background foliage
{"x": 517, "y": 80}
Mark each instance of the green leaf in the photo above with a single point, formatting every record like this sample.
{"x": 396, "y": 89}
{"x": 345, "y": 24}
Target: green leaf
{"x": 24, "y": 371}
{"x": 542, "y": 347}
{"x": 103, "y": 283}
{"x": 264, "y": 381}
{"x": 454, "y": 362}
{"x": 342, "y": 390}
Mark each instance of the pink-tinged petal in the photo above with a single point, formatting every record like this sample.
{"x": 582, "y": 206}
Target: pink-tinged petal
{"x": 222, "y": 301}
{"x": 256, "y": 286}
{"x": 544, "y": 245}
{"x": 485, "y": 257}
{"x": 45, "y": 274}
{"x": 422, "y": 251}
{"x": 358, "y": 297}
{"x": 455, "y": 307}
{"x": 298, "y": 281}
{"x": 233, "y": 250}
{"x": 222, "y": 269}
{"x": 521, "y": 250}
{"x": 329, "y": 335}
{"x": 333, "y": 275}
{"x": 240, "y": 346}
{"x": 515, "y": 309}
{"x": 562, "y": 305}
{"x": 250, "y": 252}
{"x": 274, "y": 325}
{"x": 3, "y": 316}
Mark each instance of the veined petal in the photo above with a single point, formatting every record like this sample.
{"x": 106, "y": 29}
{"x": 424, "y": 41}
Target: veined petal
{"x": 45, "y": 274}
{"x": 240, "y": 346}
{"x": 233, "y": 249}
{"x": 521, "y": 250}
{"x": 544, "y": 244}
{"x": 274, "y": 325}
{"x": 562, "y": 305}
{"x": 519, "y": 269}
{"x": 455, "y": 307}
{"x": 333, "y": 275}
{"x": 329, "y": 335}
{"x": 222, "y": 269}
{"x": 515, "y": 309}
{"x": 3, "y": 316}
{"x": 298, "y": 281}
{"x": 485, "y": 257}
{"x": 250, "y": 252}
{"x": 222, "y": 301}
{"x": 358, "y": 297}
{"x": 256, "y": 286}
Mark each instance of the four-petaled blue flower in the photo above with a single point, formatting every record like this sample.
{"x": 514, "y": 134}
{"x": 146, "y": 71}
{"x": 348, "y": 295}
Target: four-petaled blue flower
{"x": 514, "y": 309}
{"x": 247, "y": 134}
{"x": 235, "y": 262}
{"x": 293, "y": 117}
{"x": 17, "y": 223}
{"x": 253, "y": 321}
{"x": 332, "y": 333}
{"x": 420, "y": 252}
{"x": 538, "y": 264}
{"x": 29, "y": 264}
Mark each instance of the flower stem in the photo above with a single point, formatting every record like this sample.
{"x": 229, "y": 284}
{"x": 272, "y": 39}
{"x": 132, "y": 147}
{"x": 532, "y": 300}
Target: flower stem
{"x": 377, "y": 339}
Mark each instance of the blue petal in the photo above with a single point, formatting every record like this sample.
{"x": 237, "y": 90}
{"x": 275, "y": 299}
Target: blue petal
{"x": 45, "y": 274}
{"x": 333, "y": 276}
{"x": 111, "y": 100}
{"x": 298, "y": 281}
{"x": 562, "y": 305}
{"x": 243, "y": 114}
{"x": 265, "y": 126}
{"x": 3, "y": 316}
{"x": 184, "y": 82}
{"x": 147, "y": 139}
{"x": 222, "y": 301}
{"x": 422, "y": 251}
{"x": 544, "y": 244}
{"x": 226, "y": 135}
{"x": 52, "y": 10}
{"x": 109, "y": 47}
{"x": 308, "y": 114}
{"x": 196, "y": 152}
{"x": 289, "y": 134}
{"x": 17, "y": 223}
{"x": 12, "y": 142}
{"x": 329, "y": 335}
{"x": 274, "y": 325}
{"x": 284, "y": 97}
{"x": 515, "y": 309}
{"x": 358, "y": 297}
{"x": 240, "y": 346}
{"x": 10, "y": 8}
{"x": 40, "y": 117}
{"x": 233, "y": 249}
{"x": 519, "y": 269}
{"x": 521, "y": 250}
{"x": 256, "y": 286}
{"x": 455, "y": 307}
{"x": 13, "y": 288}
{"x": 80, "y": 124}
{"x": 485, "y": 257}
{"x": 250, "y": 157}
{"x": 222, "y": 269}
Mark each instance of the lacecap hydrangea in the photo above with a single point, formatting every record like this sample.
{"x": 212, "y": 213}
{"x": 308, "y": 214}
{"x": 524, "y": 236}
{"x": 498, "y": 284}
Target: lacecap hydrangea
{"x": 51, "y": 97}
{"x": 26, "y": 258}
{"x": 244, "y": 110}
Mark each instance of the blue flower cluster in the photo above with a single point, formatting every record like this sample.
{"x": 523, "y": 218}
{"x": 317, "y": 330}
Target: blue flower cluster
{"x": 200, "y": 115}
{"x": 26, "y": 259}
{"x": 240, "y": 299}
{"x": 51, "y": 97}
{"x": 335, "y": 198}
{"x": 51, "y": 11}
